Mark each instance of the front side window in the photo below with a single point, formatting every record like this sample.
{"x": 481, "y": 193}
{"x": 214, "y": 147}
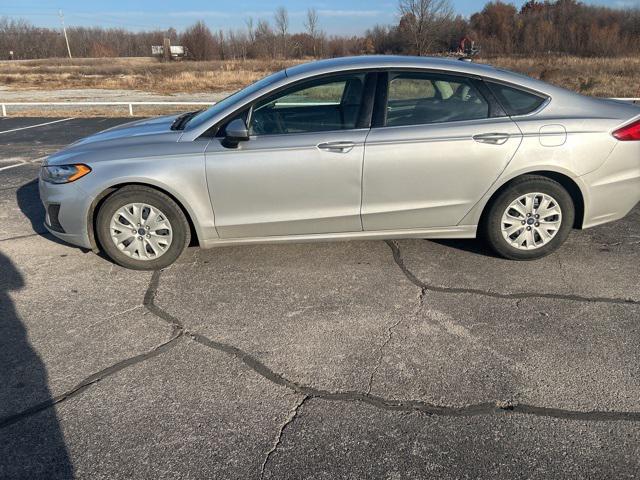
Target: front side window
{"x": 206, "y": 115}
{"x": 516, "y": 101}
{"x": 417, "y": 99}
{"x": 322, "y": 105}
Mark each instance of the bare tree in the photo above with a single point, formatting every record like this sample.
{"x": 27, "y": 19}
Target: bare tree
{"x": 251, "y": 33}
{"x": 266, "y": 42}
{"x": 422, "y": 21}
{"x": 311, "y": 24}
{"x": 237, "y": 44}
{"x": 200, "y": 42}
{"x": 282, "y": 27}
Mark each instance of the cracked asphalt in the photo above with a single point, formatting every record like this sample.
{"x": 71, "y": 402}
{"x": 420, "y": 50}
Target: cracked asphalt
{"x": 386, "y": 360}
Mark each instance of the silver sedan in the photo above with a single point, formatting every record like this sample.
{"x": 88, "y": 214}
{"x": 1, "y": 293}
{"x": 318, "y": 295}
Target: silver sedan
{"x": 353, "y": 148}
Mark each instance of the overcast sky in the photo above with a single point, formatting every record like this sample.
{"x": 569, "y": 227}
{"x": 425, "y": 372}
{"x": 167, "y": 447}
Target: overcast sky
{"x": 336, "y": 16}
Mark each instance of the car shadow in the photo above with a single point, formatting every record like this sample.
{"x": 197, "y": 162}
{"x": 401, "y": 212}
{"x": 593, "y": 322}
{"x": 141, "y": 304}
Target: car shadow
{"x": 29, "y": 203}
{"x": 31, "y": 444}
{"x": 470, "y": 245}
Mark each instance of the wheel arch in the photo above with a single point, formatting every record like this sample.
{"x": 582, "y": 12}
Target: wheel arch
{"x": 567, "y": 183}
{"x": 107, "y": 192}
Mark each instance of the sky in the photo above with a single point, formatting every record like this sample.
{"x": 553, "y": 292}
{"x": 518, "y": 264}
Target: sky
{"x": 336, "y": 16}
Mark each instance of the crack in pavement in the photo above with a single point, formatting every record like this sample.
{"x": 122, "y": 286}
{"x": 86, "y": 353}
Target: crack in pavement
{"x": 390, "y": 331}
{"x": 408, "y": 405}
{"x": 89, "y": 381}
{"x": 308, "y": 392}
{"x": 381, "y": 353}
{"x": 20, "y": 237}
{"x": 177, "y": 333}
{"x": 376, "y": 401}
{"x": 293, "y": 413}
{"x": 397, "y": 256}
{"x": 148, "y": 302}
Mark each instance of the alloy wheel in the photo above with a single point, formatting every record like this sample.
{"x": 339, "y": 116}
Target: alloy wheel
{"x": 531, "y": 221}
{"x": 141, "y": 231}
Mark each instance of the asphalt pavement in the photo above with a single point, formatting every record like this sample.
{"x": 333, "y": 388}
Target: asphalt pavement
{"x": 385, "y": 360}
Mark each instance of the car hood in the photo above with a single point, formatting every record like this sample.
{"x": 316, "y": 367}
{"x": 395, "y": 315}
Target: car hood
{"x": 150, "y": 126}
{"x": 121, "y": 141}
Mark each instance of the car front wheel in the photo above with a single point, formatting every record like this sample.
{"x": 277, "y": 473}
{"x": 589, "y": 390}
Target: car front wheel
{"x": 531, "y": 218}
{"x": 141, "y": 228}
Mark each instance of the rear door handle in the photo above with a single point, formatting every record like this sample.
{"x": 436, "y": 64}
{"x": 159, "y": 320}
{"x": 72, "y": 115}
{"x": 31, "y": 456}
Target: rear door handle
{"x": 492, "y": 138}
{"x": 339, "y": 147}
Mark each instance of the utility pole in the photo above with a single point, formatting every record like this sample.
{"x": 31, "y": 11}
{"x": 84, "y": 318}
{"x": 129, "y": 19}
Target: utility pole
{"x": 64, "y": 30}
{"x": 166, "y": 49}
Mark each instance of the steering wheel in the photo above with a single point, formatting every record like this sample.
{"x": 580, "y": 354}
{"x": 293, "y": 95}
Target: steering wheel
{"x": 268, "y": 122}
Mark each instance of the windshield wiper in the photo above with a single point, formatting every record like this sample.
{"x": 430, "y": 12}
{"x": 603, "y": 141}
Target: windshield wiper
{"x": 180, "y": 122}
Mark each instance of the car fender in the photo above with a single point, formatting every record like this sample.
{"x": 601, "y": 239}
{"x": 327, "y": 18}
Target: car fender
{"x": 473, "y": 216}
{"x": 187, "y": 187}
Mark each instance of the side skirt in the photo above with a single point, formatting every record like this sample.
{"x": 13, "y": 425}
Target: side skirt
{"x": 460, "y": 231}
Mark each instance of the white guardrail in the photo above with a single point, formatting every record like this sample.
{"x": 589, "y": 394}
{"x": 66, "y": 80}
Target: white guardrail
{"x": 131, "y": 104}
{"x": 91, "y": 104}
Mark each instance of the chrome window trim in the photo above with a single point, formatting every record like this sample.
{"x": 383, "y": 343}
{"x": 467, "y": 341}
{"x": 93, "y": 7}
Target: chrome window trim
{"x": 473, "y": 122}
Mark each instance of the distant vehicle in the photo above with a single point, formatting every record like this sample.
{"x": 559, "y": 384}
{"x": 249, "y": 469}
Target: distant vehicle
{"x": 176, "y": 52}
{"x": 353, "y": 148}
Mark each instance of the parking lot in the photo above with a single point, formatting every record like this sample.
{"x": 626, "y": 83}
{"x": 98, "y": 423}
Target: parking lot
{"x": 386, "y": 360}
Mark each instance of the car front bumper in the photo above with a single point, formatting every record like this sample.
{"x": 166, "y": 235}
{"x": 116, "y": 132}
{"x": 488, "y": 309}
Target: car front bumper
{"x": 66, "y": 207}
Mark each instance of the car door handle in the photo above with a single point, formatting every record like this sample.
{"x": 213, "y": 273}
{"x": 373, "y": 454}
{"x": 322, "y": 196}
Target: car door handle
{"x": 492, "y": 138}
{"x": 339, "y": 147}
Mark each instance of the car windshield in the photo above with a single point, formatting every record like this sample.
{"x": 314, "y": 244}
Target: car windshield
{"x": 206, "y": 115}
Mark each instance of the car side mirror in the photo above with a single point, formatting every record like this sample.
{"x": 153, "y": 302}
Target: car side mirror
{"x": 235, "y": 132}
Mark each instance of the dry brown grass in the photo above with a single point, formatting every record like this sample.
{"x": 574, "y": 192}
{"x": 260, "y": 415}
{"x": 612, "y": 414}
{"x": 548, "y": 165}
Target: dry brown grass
{"x": 606, "y": 77}
{"x": 145, "y": 74}
{"x": 598, "y": 77}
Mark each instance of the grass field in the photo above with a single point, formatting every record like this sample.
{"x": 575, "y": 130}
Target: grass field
{"x": 146, "y": 74}
{"x": 598, "y": 77}
{"x": 607, "y": 77}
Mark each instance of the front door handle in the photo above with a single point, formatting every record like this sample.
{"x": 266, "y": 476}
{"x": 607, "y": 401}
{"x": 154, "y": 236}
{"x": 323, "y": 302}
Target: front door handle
{"x": 339, "y": 147}
{"x": 492, "y": 138}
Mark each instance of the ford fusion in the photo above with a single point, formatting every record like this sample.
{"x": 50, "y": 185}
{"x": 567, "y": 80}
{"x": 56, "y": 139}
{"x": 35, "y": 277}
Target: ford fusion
{"x": 353, "y": 148}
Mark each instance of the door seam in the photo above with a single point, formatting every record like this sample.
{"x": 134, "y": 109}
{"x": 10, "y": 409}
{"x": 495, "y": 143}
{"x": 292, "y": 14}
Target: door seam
{"x": 364, "y": 152}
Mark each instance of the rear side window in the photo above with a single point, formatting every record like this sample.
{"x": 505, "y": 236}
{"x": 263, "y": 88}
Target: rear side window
{"x": 516, "y": 101}
{"x": 424, "y": 98}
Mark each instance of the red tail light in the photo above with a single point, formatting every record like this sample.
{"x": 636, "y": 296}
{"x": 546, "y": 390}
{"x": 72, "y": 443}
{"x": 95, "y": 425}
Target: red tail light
{"x": 628, "y": 132}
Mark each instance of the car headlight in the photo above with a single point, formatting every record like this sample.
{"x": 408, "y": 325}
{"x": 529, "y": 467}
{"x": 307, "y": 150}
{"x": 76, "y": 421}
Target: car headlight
{"x": 63, "y": 173}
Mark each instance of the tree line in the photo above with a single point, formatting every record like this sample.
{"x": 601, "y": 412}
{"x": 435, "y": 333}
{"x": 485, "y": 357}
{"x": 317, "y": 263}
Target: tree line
{"x": 424, "y": 27}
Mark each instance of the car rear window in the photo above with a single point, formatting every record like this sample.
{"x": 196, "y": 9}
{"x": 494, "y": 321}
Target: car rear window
{"x": 516, "y": 101}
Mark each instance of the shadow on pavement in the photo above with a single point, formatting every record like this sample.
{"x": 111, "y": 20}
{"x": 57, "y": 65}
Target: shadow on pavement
{"x": 32, "y": 447}
{"x": 470, "y": 245}
{"x": 28, "y": 199}
{"x": 29, "y": 203}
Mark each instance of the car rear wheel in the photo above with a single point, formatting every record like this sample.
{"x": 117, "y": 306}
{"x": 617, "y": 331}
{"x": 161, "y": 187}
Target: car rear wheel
{"x": 531, "y": 218}
{"x": 141, "y": 228}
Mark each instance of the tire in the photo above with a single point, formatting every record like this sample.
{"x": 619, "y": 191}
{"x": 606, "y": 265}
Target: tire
{"x": 157, "y": 249}
{"x": 537, "y": 237}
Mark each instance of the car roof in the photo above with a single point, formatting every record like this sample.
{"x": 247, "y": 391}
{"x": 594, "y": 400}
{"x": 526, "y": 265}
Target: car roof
{"x": 335, "y": 65}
